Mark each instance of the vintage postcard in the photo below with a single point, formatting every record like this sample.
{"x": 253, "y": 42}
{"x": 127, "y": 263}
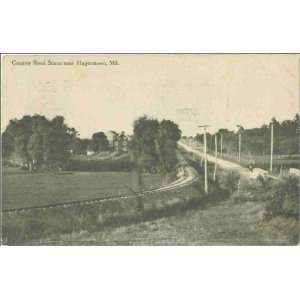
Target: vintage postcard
{"x": 150, "y": 149}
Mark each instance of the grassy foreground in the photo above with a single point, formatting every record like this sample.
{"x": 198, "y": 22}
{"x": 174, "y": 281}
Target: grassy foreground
{"x": 237, "y": 211}
{"x": 262, "y": 212}
{"x": 23, "y": 189}
{"x": 222, "y": 223}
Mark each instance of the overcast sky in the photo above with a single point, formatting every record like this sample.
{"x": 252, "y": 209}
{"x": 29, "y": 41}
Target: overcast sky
{"x": 220, "y": 90}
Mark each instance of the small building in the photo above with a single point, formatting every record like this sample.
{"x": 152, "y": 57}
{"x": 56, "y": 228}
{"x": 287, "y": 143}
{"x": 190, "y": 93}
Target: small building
{"x": 89, "y": 151}
{"x": 111, "y": 137}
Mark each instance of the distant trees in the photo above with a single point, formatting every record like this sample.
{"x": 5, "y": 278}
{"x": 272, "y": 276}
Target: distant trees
{"x": 122, "y": 140}
{"x": 99, "y": 142}
{"x": 153, "y": 146}
{"x": 256, "y": 141}
{"x": 34, "y": 141}
{"x": 80, "y": 146}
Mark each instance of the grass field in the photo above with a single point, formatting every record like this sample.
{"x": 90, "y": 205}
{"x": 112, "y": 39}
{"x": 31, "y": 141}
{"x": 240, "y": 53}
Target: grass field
{"x": 23, "y": 189}
{"x": 225, "y": 223}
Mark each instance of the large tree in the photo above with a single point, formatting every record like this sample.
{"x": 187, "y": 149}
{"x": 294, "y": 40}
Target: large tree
{"x": 56, "y": 143}
{"x": 143, "y": 144}
{"x": 35, "y": 149}
{"x": 36, "y": 140}
{"x": 166, "y": 140}
{"x": 154, "y": 144}
{"x": 99, "y": 142}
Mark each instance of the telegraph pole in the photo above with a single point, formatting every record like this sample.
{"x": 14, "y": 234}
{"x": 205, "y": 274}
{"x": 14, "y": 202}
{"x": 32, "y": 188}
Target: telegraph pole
{"x": 205, "y": 163}
{"x": 240, "y": 146}
{"x": 272, "y": 146}
{"x": 221, "y": 142}
{"x": 205, "y": 158}
{"x": 240, "y": 142}
{"x": 216, "y": 156}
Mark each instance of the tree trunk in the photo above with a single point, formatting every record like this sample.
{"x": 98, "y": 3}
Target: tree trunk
{"x": 140, "y": 188}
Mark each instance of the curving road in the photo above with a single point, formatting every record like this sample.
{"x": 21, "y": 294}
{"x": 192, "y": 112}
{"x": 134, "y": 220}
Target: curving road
{"x": 221, "y": 162}
{"x": 225, "y": 164}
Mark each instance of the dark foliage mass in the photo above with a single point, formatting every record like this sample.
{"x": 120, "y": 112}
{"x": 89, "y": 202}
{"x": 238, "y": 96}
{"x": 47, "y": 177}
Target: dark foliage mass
{"x": 153, "y": 147}
{"x": 282, "y": 197}
{"x": 99, "y": 142}
{"x": 281, "y": 206}
{"x": 35, "y": 141}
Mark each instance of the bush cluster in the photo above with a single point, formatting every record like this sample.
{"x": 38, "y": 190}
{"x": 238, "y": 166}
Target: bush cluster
{"x": 282, "y": 198}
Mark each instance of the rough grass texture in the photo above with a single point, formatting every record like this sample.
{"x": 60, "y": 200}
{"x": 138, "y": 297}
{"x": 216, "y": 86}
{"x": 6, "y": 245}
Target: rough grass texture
{"x": 22, "y": 189}
{"x": 281, "y": 206}
{"x": 209, "y": 223}
{"x": 261, "y": 212}
{"x": 34, "y": 224}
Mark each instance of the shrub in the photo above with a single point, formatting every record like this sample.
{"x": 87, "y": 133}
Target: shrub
{"x": 284, "y": 230}
{"x": 229, "y": 181}
{"x": 283, "y": 199}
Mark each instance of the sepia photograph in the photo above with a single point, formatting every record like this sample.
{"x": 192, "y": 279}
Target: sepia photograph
{"x": 150, "y": 149}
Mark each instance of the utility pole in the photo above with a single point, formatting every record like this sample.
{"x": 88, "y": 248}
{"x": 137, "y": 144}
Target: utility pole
{"x": 193, "y": 147}
{"x": 272, "y": 146}
{"x": 221, "y": 142}
{"x": 240, "y": 142}
{"x": 240, "y": 146}
{"x": 216, "y": 156}
{"x": 205, "y": 158}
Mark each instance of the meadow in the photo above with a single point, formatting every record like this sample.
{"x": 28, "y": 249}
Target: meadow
{"x": 222, "y": 223}
{"x": 258, "y": 213}
{"x": 23, "y": 189}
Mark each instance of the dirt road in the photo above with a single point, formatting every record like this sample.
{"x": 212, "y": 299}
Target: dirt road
{"x": 225, "y": 164}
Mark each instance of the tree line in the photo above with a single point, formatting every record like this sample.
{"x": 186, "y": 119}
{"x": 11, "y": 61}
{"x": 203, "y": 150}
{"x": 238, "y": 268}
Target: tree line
{"x": 256, "y": 141}
{"x": 99, "y": 142}
{"x": 35, "y": 141}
